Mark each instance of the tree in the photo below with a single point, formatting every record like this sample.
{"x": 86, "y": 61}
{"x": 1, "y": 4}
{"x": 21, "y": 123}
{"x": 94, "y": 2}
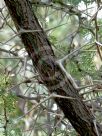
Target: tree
{"x": 60, "y": 84}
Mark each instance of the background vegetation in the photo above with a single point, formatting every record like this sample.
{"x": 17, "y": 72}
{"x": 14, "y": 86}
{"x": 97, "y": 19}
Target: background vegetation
{"x": 74, "y": 28}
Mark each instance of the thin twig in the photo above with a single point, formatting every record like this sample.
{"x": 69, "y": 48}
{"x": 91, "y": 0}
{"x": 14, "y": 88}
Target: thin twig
{"x": 49, "y": 97}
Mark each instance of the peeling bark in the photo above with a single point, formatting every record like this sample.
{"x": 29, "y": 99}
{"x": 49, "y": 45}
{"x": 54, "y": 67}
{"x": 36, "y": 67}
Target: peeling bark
{"x": 43, "y": 58}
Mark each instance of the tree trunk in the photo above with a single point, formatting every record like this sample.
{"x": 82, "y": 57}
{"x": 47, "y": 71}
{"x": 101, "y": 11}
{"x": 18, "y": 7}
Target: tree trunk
{"x": 43, "y": 58}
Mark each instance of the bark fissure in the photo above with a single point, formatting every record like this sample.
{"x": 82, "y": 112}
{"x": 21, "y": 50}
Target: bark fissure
{"x": 43, "y": 58}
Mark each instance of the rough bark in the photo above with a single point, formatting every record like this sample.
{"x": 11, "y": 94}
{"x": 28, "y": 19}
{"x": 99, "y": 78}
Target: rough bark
{"x": 43, "y": 58}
